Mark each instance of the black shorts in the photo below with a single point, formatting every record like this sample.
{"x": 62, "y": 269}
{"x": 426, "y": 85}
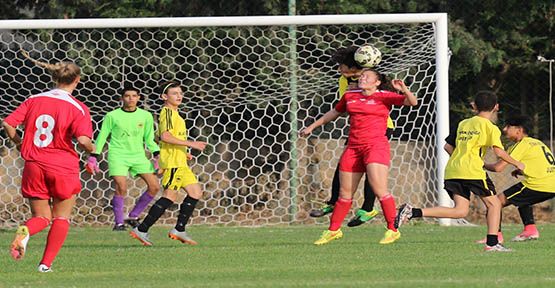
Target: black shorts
{"x": 519, "y": 195}
{"x": 463, "y": 187}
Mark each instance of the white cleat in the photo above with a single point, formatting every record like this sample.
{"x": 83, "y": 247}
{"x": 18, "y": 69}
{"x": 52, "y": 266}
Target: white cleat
{"x": 44, "y": 269}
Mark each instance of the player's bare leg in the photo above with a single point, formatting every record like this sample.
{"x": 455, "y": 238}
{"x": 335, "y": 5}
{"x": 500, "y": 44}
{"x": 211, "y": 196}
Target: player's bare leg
{"x": 153, "y": 187}
{"x": 493, "y": 219}
{"x": 42, "y": 214}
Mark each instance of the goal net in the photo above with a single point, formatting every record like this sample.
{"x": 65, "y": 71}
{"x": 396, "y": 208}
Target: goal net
{"x": 250, "y": 83}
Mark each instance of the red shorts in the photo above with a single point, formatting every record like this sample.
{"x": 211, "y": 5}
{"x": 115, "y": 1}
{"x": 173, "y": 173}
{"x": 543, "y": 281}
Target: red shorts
{"x": 355, "y": 158}
{"x": 39, "y": 183}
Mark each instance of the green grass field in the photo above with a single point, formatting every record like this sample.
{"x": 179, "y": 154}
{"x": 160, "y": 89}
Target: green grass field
{"x": 425, "y": 256}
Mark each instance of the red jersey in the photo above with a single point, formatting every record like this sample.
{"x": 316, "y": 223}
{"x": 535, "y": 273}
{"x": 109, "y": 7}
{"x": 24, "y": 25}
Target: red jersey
{"x": 51, "y": 120}
{"x": 368, "y": 114}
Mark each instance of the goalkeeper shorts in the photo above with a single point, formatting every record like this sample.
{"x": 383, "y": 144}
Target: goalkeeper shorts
{"x": 176, "y": 178}
{"x": 122, "y": 166}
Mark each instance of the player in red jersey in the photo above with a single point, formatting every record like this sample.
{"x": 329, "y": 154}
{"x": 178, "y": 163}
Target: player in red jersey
{"x": 367, "y": 150}
{"x": 51, "y": 173}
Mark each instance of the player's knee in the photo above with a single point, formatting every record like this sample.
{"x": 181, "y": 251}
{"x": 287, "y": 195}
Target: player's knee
{"x": 153, "y": 189}
{"x": 460, "y": 212}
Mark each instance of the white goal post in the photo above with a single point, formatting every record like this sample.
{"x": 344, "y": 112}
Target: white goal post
{"x": 251, "y": 83}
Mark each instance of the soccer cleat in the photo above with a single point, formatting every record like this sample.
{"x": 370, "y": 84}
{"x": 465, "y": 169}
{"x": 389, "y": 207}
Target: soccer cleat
{"x": 497, "y": 248}
{"x": 119, "y": 227}
{"x": 499, "y": 239}
{"x": 181, "y": 236}
{"x": 403, "y": 215}
{"x": 390, "y": 236}
{"x": 322, "y": 211}
{"x": 328, "y": 236}
{"x": 132, "y": 222}
{"x": 526, "y": 235}
{"x": 44, "y": 269}
{"x": 361, "y": 217}
{"x": 19, "y": 243}
{"x": 141, "y": 236}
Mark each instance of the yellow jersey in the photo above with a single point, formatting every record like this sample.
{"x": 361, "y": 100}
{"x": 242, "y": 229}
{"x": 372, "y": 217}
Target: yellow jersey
{"x": 172, "y": 156}
{"x": 539, "y": 173}
{"x": 474, "y": 135}
{"x": 344, "y": 86}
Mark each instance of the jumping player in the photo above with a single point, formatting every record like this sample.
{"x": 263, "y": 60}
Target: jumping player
{"x": 368, "y": 148}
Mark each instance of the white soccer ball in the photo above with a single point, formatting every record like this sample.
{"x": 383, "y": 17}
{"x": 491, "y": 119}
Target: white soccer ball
{"x": 368, "y": 56}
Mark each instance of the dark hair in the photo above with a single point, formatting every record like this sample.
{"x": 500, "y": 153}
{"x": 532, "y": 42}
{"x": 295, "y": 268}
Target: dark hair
{"x": 385, "y": 82}
{"x": 129, "y": 88}
{"x": 485, "y": 101}
{"x": 62, "y": 72}
{"x": 521, "y": 121}
{"x": 346, "y": 56}
{"x": 167, "y": 85}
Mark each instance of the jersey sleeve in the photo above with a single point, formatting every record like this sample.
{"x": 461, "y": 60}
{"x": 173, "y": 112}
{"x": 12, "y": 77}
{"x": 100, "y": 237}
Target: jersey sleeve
{"x": 105, "y": 131}
{"x": 341, "y": 106}
{"x": 495, "y": 137}
{"x": 149, "y": 134}
{"x": 392, "y": 98}
{"x": 18, "y": 115}
{"x": 82, "y": 126}
{"x": 165, "y": 120}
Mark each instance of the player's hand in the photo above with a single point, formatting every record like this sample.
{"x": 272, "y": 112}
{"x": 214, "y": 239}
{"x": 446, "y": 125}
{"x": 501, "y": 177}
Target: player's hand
{"x": 398, "y": 84}
{"x": 156, "y": 163}
{"x": 92, "y": 165}
{"x": 306, "y": 131}
{"x": 516, "y": 173}
{"x": 198, "y": 145}
{"x": 189, "y": 156}
{"x": 160, "y": 171}
{"x": 520, "y": 166}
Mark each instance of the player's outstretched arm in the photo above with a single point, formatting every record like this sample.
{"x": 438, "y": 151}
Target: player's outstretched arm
{"x": 105, "y": 131}
{"x": 507, "y": 158}
{"x": 497, "y": 166}
{"x": 410, "y": 99}
{"x": 328, "y": 117}
{"x": 167, "y": 137}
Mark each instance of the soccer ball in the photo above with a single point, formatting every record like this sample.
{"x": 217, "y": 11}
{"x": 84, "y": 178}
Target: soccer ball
{"x": 368, "y": 56}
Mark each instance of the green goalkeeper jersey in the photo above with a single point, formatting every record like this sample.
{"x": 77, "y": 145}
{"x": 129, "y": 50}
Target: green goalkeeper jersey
{"x": 129, "y": 132}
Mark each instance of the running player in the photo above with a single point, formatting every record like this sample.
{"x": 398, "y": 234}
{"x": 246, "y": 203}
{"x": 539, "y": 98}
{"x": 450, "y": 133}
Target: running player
{"x": 129, "y": 129}
{"x": 368, "y": 148}
{"x": 176, "y": 172}
{"x": 464, "y": 172}
{"x": 51, "y": 172}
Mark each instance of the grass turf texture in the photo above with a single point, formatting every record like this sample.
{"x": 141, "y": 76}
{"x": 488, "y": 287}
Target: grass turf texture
{"x": 425, "y": 256}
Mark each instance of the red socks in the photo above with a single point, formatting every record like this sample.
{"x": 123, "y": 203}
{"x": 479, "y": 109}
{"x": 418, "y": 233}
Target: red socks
{"x": 389, "y": 211}
{"x": 340, "y": 210}
{"x": 37, "y": 224}
{"x": 56, "y": 237}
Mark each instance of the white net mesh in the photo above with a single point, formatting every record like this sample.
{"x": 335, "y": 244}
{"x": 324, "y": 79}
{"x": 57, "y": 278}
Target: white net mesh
{"x": 239, "y": 98}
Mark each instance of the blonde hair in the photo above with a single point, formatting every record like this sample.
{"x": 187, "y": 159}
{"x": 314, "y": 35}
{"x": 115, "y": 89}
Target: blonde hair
{"x": 62, "y": 72}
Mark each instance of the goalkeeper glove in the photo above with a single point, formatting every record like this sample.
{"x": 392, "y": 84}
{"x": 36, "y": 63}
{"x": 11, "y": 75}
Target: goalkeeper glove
{"x": 156, "y": 160}
{"x": 92, "y": 164}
